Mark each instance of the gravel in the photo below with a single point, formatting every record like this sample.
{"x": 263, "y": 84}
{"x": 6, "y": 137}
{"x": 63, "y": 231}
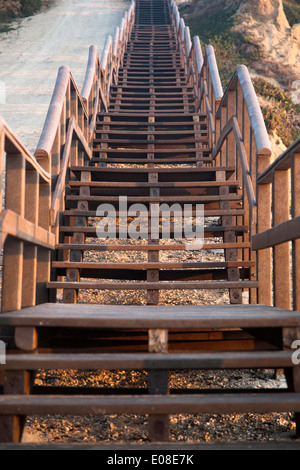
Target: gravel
{"x": 183, "y": 427}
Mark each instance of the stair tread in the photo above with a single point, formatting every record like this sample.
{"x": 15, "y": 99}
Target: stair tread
{"x": 169, "y": 285}
{"x": 151, "y": 316}
{"x": 140, "y": 360}
{"x": 154, "y": 150}
{"x": 135, "y": 247}
{"x": 209, "y": 229}
{"x": 142, "y": 404}
{"x": 152, "y": 265}
{"x": 143, "y": 184}
{"x": 152, "y": 170}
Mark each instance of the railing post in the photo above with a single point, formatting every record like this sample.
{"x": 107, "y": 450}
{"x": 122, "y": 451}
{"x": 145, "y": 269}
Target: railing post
{"x": 74, "y": 112}
{"x": 264, "y": 257}
{"x": 44, "y": 255}
{"x": 13, "y": 253}
{"x": 281, "y": 253}
{"x": 30, "y": 251}
{"x": 295, "y": 209}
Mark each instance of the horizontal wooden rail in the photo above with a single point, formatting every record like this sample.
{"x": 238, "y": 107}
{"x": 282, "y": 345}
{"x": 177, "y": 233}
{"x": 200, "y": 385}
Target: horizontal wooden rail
{"x": 281, "y": 233}
{"x": 20, "y": 228}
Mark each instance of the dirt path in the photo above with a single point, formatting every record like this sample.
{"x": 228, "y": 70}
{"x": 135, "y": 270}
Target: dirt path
{"x": 32, "y": 52}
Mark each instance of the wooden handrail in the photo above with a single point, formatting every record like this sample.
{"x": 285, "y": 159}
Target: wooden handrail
{"x": 214, "y": 73}
{"x": 282, "y": 162}
{"x": 236, "y": 129}
{"x": 71, "y": 117}
{"x": 285, "y": 232}
{"x": 63, "y": 81}
{"x": 18, "y": 146}
{"x": 203, "y": 72}
{"x": 90, "y": 73}
{"x": 16, "y": 226}
{"x": 232, "y": 126}
{"x": 30, "y": 215}
{"x": 73, "y": 130}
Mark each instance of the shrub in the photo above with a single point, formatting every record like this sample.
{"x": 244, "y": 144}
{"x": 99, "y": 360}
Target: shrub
{"x": 14, "y": 8}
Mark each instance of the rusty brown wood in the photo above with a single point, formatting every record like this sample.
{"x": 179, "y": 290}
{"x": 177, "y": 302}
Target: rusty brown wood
{"x": 151, "y": 95}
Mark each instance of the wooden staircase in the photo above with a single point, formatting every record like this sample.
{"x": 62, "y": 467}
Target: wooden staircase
{"x": 151, "y": 146}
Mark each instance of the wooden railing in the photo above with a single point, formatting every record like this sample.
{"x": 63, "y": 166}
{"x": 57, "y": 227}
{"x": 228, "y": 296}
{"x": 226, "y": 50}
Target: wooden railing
{"x": 201, "y": 72}
{"x": 101, "y": 73}
{"x": 26, "y": 239}
{"x": 33, "y": 188}
{"x": 237, "y": 132}
{"x": 278, "y": 239}
{"x": 66, "y": 138}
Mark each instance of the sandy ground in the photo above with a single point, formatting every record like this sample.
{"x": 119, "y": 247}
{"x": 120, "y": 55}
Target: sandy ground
{"x": 32, "y": 52}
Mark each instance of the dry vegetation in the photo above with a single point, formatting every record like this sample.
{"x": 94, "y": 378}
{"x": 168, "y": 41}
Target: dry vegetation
{"x": 14, "y": 8}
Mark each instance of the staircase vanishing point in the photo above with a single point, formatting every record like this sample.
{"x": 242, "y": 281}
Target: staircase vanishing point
{"x": 152, "y": 131}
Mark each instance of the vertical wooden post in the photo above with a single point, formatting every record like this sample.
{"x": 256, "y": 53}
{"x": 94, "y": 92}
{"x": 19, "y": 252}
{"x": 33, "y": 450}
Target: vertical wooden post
{"x": 264, "y": 257}
{"x": 235, "y": 295}
{"x": 13, "y": 249}
{"x": 158, "y": 384}
{"x": 295, "y": 188}
{"x": 231, "y": 157}
{"x": 153, "y": 256}
{"x": 74, "y": 112}
{"x": 292, "y": 334}
{"x": 282, "y": 282}
{"x": 43, "y": 254}
{"x": 2, "y": 151}
{"x": 30, "y": 251}
{"x": 11, "y": 427}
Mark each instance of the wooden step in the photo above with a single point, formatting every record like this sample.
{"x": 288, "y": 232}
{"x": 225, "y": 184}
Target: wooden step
{"x": 176, "y": 184}
{"x": 195, "y": 171}
{"x": 153, "y": 265}
{"x": 179, "y": 125}
{"x": 156, "y": 161}
{"x": 168, "y": 285}
{"x": 155, "y": 404}
{"x": 148, "y": 316}
{"x": 179, "y": 199}
{"x": 147, "y": 361}
{"x": 144, "y": 151}
{"x": 136, "y": 247}
{"x": 211, "y": 231}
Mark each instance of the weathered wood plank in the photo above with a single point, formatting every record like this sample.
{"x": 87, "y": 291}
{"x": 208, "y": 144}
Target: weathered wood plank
{"x": 127, "y": 361}
{"x": 172, "y": 404}
{"x": 209, "y": 316}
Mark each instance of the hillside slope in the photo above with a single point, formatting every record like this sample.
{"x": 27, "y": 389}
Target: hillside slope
{"x": 15, "y": 8}
{"x": 258, "y": 34}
